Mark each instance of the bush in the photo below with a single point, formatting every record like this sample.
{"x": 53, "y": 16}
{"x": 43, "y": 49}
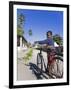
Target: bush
{"x": 28, "y": 55}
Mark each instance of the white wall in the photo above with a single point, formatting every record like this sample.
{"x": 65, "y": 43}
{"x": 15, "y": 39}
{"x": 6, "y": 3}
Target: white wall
{"x": 4, "y": 47}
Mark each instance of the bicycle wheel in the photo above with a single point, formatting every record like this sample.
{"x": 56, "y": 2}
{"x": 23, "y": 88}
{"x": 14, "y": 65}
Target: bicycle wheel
{"x": 58, "y": 67}
{"x": 39, "y": 62}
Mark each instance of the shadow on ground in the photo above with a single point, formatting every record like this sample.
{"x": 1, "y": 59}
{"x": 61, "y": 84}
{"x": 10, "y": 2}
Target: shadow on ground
{"x": 41, "y": 74}
{"x": 37, "y": 71}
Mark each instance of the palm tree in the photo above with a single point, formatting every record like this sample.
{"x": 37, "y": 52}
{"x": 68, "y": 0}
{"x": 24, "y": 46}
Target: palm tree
{"x": 20, "y": 31}
{"x": 20, "y": 22}
{"x": 30, "y": 32}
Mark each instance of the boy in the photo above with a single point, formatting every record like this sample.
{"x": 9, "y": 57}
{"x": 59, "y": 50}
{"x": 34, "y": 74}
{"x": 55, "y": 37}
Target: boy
{"x": 50, "y": 55}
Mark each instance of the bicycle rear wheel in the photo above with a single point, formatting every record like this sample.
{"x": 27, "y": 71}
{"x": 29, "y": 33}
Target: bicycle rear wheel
{"x": 57, "y": 70}
{"x": 60, "y": 67}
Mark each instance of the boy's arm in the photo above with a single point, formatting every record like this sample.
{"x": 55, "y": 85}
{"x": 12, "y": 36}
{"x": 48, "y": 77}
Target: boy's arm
{"x": 41, "y": 42}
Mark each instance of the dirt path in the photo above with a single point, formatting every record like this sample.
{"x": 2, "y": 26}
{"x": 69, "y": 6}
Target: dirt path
{"x": 25, "y": 71}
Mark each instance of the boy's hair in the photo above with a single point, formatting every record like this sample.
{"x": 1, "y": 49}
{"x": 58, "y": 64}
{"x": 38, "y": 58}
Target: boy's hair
{"x": 49, "y": 32}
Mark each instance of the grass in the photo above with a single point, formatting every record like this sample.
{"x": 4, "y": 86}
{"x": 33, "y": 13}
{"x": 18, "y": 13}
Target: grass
{"x": 28, "y": 55}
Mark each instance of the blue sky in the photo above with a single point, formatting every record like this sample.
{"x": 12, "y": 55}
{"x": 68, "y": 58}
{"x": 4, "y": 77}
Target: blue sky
{"x": 41, "y": 21}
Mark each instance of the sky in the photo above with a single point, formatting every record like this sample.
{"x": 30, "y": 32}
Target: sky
{"x": 41, "y": 21}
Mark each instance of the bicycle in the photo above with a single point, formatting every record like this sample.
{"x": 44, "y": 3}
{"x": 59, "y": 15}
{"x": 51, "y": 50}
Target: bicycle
{"x": 41, "y": 63}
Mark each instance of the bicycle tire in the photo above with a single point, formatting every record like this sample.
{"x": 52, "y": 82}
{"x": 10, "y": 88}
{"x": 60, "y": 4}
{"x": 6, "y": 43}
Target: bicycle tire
{"x": 59, "y": 63}
{"x": 39, "y": 62}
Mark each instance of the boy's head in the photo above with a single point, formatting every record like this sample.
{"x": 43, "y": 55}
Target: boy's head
{"x": 49, "y": 34}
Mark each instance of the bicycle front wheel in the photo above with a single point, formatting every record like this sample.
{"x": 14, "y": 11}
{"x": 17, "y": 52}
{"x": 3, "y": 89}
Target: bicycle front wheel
{"x": 39, "y": 62}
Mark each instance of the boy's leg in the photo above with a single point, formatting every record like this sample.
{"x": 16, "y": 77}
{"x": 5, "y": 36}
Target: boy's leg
{"x": 54, "y": 67}
{"x": 51, "y": 65}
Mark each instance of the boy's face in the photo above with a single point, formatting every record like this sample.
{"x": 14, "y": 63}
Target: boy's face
{"x": 49, "y": 35}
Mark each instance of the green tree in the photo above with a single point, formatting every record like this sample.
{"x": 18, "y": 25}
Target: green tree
{"x": 20, "y": 23}
{"x": 19, "y": 32}
{"x": 30, "y": 32}
{"x": 58, "y": 39}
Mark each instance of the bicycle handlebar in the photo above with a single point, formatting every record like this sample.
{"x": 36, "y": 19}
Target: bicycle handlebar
{"x": 57, "y": 52}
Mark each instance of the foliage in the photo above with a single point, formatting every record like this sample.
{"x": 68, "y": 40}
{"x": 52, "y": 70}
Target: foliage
{"x": 58, "y": 39}
{"x": 20, "y": 22}
{"x": 30, "y": 32}
{"x": 28, "y": 55}
{"x": 20, "y": 32}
